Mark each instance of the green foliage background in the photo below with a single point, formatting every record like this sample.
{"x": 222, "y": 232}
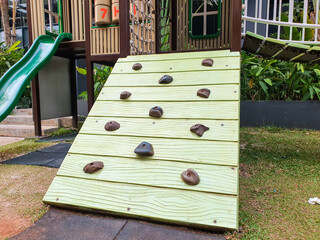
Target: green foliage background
{"x": 271, "y": 79}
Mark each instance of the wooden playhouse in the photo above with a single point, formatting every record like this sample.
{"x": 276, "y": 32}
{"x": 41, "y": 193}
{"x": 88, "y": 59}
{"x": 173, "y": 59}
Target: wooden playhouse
{"x": 180, "y": 62}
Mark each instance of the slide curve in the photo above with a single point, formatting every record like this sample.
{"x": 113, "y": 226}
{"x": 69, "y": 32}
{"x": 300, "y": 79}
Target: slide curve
{"x": 15, "y": 80}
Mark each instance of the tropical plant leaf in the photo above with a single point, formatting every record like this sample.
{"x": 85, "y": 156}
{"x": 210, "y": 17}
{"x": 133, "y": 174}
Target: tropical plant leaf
{"x": 82, "y": 71}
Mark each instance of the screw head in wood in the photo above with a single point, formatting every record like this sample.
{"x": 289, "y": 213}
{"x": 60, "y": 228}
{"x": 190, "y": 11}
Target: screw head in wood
{"x": 125, "y": 95}
{"x": 190, "y": 177}
{"x": 112, "y": 126}
{"x": 204, "y": 93}
{"x": 199, "y": 129}
{"x": 144, "y": 149}
{"x": 166, "y": 79}
{"x": 137, "y": 66}
{"x": 93, "y": 167}
{"x": 208, "y": 62}
{"x": 156, "y": 112}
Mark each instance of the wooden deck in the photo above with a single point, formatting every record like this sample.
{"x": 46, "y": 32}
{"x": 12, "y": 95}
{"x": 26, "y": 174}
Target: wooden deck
{"x": 152, "y": 188}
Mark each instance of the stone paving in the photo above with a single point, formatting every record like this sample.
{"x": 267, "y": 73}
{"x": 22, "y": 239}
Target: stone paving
{"x": 8, "y": 140}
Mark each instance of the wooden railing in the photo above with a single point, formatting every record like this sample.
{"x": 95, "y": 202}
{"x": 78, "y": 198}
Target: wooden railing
{"x": 105, "y": 40}
{"x": 37, "y": 19}
{"x": 77, "y": 20}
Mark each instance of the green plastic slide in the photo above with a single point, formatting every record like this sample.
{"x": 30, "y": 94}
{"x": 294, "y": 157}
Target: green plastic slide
{"x": 15, "y": 80}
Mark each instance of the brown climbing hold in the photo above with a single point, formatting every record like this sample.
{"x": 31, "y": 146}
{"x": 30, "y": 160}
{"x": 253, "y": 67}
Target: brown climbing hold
{"x": 207, "y": 62}
{"x": 190, "y": 177}
{"x": 156, "y": 112}
{"x": 144, "y": 149}
{"x": 204, "y": 93}
{"x": 137, "y": 66}
{"x": 93, "y": 167}
{"x": 125, "y": 95}
{"x": 112, "y": 126}
{"x": 199, "y": 129}
{"x": 165, "y": 79}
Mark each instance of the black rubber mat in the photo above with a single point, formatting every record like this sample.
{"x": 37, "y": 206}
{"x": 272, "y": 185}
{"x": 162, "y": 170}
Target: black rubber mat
{"x": 69, "y": 225}
{"x": 49, "y": 157}
{"x": 64, "y": 138}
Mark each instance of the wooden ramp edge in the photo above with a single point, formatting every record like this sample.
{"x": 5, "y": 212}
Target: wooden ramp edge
{"x": 279, "y": 49}
{"x": 151, "y": 187}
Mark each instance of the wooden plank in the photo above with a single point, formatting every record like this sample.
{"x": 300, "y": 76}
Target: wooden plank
{"x": 179, "y": 79}
{"x": 226, "y": 63}
{"x": 179, "y": 56}
{"x": 182, "y": 150}
{"x": 214, "y": 179}
{"x": 172, "y": 94}
{"x": 190, "y": 110}
{"x": 173, "y": 206}
{"x": 220, "y": 130}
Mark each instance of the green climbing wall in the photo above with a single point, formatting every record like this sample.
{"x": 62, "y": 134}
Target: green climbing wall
{"x": 151, "y": 187}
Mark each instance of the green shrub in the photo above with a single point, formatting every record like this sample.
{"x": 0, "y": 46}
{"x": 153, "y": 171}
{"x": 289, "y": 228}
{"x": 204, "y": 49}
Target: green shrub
{"x": 100, "y": 77}
{"x": 271, "y": 79}
{"x": 9, "y": 56}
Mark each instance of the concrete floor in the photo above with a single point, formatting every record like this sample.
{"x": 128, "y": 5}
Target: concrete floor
{"x": 8, "y": 140}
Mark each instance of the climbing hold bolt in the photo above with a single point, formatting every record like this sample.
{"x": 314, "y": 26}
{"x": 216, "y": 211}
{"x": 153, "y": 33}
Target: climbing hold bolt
{"x": 190, "y": 177}
{"x": 112, "y": 126}
{"x": 125, "y": 95}
{"x": 137, "y": 66}
{"x": 165, "y": 79}
{"x": 93, "y": 167}
{"x": 199, "y": 129}
{"x": 207, "y": 62}
{"x": 144, "y": 149}
{"x": 204, "y": 92}
{"x": 156, "y": 112}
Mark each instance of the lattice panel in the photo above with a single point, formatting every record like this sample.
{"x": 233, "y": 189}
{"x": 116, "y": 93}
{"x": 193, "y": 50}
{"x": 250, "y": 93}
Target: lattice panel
{"x": 142, "y": 27}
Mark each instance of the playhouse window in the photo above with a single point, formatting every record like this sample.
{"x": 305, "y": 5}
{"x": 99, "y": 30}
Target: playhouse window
{"x": 204, "y": 18}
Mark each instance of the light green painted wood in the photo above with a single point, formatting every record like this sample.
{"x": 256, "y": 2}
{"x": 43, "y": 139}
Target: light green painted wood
{"x": 210, "y": 152}
{"x": 226, "y": 63}
{"x": 174, "y": 94}
{"x": 223, "y": 130}
{"x": 169, "y": 205}
{"x": 187, "y": 110}
{"x": 177, "y": 56}
{"x": 215, "y": 179}
{"x": 180, "y": 79}
{"x": 151, "y": 187}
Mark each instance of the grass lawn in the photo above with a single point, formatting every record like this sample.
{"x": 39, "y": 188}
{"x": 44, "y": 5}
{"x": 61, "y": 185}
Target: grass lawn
{"x": 279, "y": 172}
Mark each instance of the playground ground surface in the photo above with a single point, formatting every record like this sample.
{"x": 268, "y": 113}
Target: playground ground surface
{"x": 279, "y": 172}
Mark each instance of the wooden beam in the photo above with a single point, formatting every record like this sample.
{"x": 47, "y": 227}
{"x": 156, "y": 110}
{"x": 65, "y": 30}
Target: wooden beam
{"x": 174, "y": 25}
{"x": 35, "y": 83}
{"x": 235, "y": 41}
{"x": 124, "y": 29}
{"x": 157, "y": 28}
{"x": 29, "y": 21}
{"x": 36, "y": 106}
{"x": 90, "y": 81}
{"x": 73, "y": 89}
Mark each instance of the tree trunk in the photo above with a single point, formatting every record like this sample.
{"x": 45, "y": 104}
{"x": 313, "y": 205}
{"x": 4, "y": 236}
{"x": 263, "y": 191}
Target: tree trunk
{"x": 5, "y": 21}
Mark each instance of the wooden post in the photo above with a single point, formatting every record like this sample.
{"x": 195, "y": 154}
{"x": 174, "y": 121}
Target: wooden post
{"x": 73, "y": 88}
{"x": 174, "y": 25}
{"x": 235, "y": 41}
{"x": 124, "y": 28}
{"x": 36, "y": 106}
{"x": 34, "y": 84}
{"x": 157, "y": 29}
{"x": 90, "y": 83}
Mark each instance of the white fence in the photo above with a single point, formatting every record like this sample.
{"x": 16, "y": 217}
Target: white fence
{"x": 288, "y": 20}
